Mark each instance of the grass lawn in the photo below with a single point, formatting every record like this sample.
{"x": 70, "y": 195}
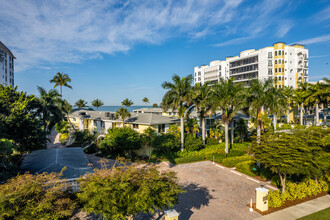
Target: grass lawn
{"x": 323, "y": 214}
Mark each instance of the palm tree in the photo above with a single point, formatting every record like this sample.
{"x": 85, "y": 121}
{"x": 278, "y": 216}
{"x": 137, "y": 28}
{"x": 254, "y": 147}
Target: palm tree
{"x": 127, "y": 103}
{"x": 201, "y": 99}
{"x": 288, "y": 93}
{"x": 61, "y": 79}
{"x": 49, "y": 108}
{"x": 148, "y": 138}
{"x": 276, "y": 102}
{"x": 81, "y": 103}
{"x": 299, "y": 98}
{"x": 145, "y": 100}
{"x": 229, "y": 98}
{"x": 97, "y": 103}
{"x": 178, "y": 97}
{"x": 67, "y": 108}
{"x": 155, "y": 105}
{"x": 123, "y": 113}
{"x": 258, "y": 92}
{"x": 324, "y": 93}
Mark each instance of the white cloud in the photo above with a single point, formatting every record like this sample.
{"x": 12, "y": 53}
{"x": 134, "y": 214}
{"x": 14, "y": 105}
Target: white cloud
{"x": 315, "y": 40}
{"x": 234, "y": 41}
{"x": 323, "y": 15}
{"x": 43, "y": 33}
{"x": 284, "y": 29}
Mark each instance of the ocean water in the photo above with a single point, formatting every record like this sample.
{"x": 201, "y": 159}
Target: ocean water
{"x": 115, "y": 108}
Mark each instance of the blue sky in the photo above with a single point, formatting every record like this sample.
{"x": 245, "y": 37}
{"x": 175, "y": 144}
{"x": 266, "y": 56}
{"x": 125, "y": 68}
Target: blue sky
{"x": 114, "y": 50}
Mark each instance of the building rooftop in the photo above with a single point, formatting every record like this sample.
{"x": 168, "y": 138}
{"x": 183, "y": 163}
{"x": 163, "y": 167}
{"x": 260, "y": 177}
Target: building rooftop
{"x": 54, "y": 160}
{"x": 4, "y": 48}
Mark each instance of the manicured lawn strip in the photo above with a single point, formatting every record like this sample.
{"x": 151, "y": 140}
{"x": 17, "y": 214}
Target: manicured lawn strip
{"x": 320, "y": 215}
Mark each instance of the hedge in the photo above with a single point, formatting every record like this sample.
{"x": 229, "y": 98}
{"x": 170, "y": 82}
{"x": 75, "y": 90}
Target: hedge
{"x": 189, "y": 159}
{"x": 232, "y": 161}
{"x": 247, "y": 167}
{"x": 296, "y": 191}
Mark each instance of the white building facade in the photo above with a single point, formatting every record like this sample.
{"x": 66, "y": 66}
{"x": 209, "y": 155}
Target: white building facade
{"x": 286, "y": 64}
{"x": 6, "y": 66}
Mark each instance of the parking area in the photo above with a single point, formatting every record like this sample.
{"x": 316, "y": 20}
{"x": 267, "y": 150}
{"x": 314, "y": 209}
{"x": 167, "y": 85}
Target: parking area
{"x": 214, "y": 192}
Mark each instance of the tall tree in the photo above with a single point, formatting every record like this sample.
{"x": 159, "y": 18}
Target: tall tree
{"x": 276, "y": 102}
{"x": 201, "y": 99}
{"x": 155, "y": 105}
{"x": 145, "y": 100}
{"x": 81, "y": 103}
{"x": 97, "y": 103}
{"x": 49, "y": 108}
{"x": 127, "y": 103}
{"x": 148, "y": 137}
{"x": 257, "y": 94}
{"x": 61, "y": 79}
{"x": 229, "y": 98}
{"x": 123, "y": 113}
{"x": 178, "y": 98}
{"x": 288, "y": 94}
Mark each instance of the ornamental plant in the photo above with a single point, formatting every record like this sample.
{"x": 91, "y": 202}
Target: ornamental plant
{"x": 121, "y": 193}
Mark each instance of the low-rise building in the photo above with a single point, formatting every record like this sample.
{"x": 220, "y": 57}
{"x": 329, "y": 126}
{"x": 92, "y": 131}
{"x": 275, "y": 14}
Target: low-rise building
{"x": 100, "y": 121}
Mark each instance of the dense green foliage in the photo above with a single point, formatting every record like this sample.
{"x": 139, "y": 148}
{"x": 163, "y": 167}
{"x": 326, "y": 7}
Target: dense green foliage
{"x": 31, "y": 197}
{"x": 97, "y": 103}
{"x": 9, "y": 162}
{"x": 82, "y": 138}
{"x": 193, "y": 143}
{"x": 121, "y": 142}
{"x": 165, "y": 145}
{"x": 300, "y": 152}
{"x": 121, "y": 193}
{"x": 248, "y": 167}
{"x": 232, "y": 161}
{"x": 296, "y": 191}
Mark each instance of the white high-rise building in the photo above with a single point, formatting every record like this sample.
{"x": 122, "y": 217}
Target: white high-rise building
{"x": 286, "y": 64}
{"x": 6, "y": 66}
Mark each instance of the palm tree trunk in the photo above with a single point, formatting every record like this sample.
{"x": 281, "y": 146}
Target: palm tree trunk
{"x": 182, "y": 132}
{"x": 324, "y": 115}
{"x": 301, "y": 113}
{"x": 275, "y": 121}
{"x": 258, "y": 128}
{"x": 203, "y": 129}
{"x": 288, "y": 116}
{"x": 317, "y": 113}
{"x": 232, "y": 132}
{"x": 226, "y": 136}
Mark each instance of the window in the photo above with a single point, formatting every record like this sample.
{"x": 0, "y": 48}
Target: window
{"x": 195, "y": 74}
{"x": 135, "y": 126}
{"x": 270, "y": 72}
{"x": 282, "y": 70}
{"x": 279, "y": 53}
{"x": 199, "y": 79}
{"x": 279, "y": 61}
{"x": 270, "y": 63}
{"x": 270, "y": 55}
{"x": 73, "y": 119}
{"x": 275, "y": 61}
{"x": 285, "y": 53}
{"x": 275, "y": 53}
{"x": 275, "y": 86}
{"x": 199, "y": 73}
{"x": 285, "y": 61}
{"x": 290, "y": 61}
{"x": 279, "y": 78}
{"x": 279, "y": 70}
{"x": 275, "y": 70}
{"x": 161, "y": 128}
{"x": 279, "y": 86}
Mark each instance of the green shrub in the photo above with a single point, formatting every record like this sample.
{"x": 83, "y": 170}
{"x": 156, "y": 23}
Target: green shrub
{"x": 211, "y": 141}
{"x": 91, "y": 149}
{"x": 189, "y": 159}
{"x": 217, "y": 157}
{"x": 166, "y": 145}
{"x": 192, "y": 143}
{"x": 121, "y": 141}
{"x": 276, "y": 181}
{"x": 35, "y": 197}
{"x": 64, "y": 138}
{"x": 247, "y": 167}
{"x": 82, "y": 138}
{"x": 275, "y": 199}
{"x": 286, "y": 126}
{"x": 62, "y": 127}
{"x": 232, "y": 161}
{"x": 299, "y": 127}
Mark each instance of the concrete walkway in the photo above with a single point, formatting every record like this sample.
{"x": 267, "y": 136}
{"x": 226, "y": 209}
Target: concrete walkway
{"x": 299, "y": 210}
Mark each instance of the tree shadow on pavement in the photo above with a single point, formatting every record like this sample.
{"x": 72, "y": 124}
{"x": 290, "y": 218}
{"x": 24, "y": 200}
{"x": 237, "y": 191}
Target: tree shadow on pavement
{"x": 195, "y": 197}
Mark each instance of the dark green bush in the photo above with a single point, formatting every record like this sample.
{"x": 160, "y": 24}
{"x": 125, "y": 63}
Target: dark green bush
{"x": 189, "y": 159}
{"x": 276, "y": 181}
{"x": 120, "y": 142}
{"x": 265, "y": 173}
{"x": 286, "y": 126}
{"x": 211, "y": 141}
{"x": 82, "y": 138}
{"x": 232, "y": 161}
{"x": 247, "y": 167}
{"x": 166, "y": 145}
{"x": 91, "y": 149}
{"x": 192, "y": 143}
{"x": 299, "y": 127}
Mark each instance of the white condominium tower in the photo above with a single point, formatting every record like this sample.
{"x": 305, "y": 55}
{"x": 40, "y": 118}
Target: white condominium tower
{"x": 6, "y": 66}
{"x": 286, "y": 64}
